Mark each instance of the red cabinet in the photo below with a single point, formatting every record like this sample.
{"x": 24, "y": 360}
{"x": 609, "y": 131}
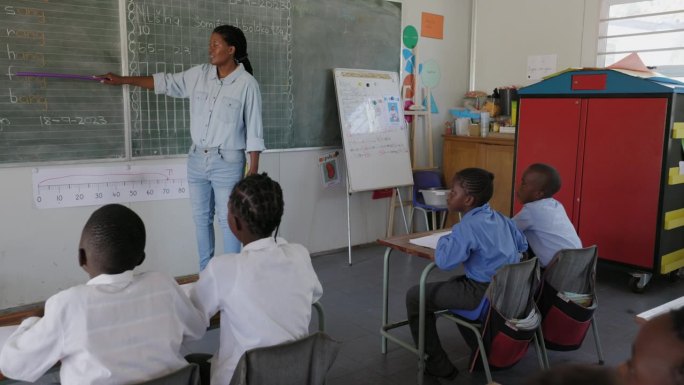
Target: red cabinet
{"x": 615, "y": 149}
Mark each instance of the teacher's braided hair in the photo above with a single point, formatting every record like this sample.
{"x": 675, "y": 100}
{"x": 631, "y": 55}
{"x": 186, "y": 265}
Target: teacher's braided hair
{"x": 477, "y": 183}
{"x": 258, "y": 201}
{"x": 236, "y": 38}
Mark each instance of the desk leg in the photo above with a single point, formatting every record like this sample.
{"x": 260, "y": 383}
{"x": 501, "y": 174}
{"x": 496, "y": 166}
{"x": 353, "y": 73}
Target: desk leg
{"x": 421, "y": 322}
{"x": 385, "y": 285}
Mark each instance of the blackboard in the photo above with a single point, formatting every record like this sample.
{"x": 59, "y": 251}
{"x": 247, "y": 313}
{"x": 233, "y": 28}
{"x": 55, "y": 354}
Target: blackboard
{"x": 292, "y": 44}
{"x": 374, "y": 131}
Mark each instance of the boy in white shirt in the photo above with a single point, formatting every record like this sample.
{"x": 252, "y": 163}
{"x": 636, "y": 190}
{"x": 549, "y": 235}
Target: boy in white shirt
{"x": 118, "y": 328}
{"x": 543, "y": 219}
{"x": 265, "y": 292}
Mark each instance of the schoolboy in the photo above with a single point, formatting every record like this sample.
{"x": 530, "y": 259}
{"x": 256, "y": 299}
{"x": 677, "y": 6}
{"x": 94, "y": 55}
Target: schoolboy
{"x": 265, "y": 292}
{"x": 657, "y": 352}
{"x": 118, "y": 328}
{"x": 543, "y": 219}
{"x": 483, "y": 241}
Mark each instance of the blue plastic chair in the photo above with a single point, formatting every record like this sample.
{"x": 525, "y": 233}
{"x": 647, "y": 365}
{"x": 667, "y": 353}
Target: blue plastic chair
{"x": 423, "y": 180}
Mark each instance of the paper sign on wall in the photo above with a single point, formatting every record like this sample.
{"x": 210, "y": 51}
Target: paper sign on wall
{"x": 432, "y": 25}
{"x": 539, "y": 66}
{"x": 329, "y": 169}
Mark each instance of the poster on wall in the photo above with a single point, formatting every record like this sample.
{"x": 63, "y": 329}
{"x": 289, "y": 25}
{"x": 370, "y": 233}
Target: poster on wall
{"x": 329, "y": 169}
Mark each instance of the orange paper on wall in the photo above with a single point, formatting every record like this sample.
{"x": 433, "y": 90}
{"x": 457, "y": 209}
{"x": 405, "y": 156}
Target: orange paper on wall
{"x": 432, "y": 25}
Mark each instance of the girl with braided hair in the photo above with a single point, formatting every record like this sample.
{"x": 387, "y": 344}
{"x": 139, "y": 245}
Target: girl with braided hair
{"x": 265, "y": 292}
{"x": 225, "y": 122}
{"x": 483, "y": 241}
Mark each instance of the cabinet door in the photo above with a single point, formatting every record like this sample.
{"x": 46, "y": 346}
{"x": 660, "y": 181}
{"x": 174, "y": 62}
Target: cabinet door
{"x": 621, "y": 177}
{"x": 549, "y": 133}
{"x": 499, "y": 160}
{"x": 457, "y": 155}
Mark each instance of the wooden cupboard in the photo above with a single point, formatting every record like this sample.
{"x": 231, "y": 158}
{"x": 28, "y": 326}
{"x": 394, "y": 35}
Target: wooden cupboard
{"x": 493, "y": 153}
{"x": 614, "y": 141}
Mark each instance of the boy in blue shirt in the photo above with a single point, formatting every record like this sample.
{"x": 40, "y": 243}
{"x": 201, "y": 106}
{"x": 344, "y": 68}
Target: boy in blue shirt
{"x": 483, "y": 241}
{"x": 543, "y": 219}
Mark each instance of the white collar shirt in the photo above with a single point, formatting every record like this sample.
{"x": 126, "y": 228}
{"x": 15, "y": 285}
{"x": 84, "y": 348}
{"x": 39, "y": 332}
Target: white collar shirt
{"x": 116, "y": 329}
{"x": 224, "y": 113}
{"x": 547, "y": 228}
{"x": 264, "y": 295}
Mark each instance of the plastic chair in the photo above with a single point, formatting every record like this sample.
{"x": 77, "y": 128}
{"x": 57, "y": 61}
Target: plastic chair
{"x": 305, "y": 361}
{"x": 188, "y": 375}
{"x": 565, "y": 322}
{"x": 423, "y": 180}
{"x": 502, "y": 339}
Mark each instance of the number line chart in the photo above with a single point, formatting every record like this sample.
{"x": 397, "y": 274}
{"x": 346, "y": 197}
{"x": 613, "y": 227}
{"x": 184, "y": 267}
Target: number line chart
{"x": 85, "y": 186}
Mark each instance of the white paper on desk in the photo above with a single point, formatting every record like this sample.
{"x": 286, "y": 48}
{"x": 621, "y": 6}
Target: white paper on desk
{"x": 429, "y": 240}
{"x": 5, "y": 333}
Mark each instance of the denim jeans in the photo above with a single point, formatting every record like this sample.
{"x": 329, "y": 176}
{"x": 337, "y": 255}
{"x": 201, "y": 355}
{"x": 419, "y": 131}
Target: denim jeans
{"x": 212, "y": 173}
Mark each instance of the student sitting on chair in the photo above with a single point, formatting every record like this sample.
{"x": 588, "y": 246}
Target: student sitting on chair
{"x": 265, "y": 292}
{"x": 657, "y": 353}
{"x": 543, "y": 219}
{"x": 118, "y": 328}
{"x": 483, "y": 241}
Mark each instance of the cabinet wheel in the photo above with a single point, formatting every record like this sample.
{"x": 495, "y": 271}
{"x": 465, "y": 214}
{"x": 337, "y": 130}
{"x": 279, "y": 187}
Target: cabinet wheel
{"x": 636, "y": 285}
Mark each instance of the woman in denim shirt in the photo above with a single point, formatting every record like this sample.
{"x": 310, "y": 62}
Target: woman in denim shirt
{"x": 225, "y": 122}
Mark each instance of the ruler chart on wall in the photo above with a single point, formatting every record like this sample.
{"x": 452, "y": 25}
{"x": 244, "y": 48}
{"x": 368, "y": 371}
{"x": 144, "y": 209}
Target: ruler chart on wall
{"x": 82, "y": 186}
{"x": 374, "y": 133}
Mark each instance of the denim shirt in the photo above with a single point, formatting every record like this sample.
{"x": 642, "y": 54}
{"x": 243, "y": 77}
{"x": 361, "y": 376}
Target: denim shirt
{"x": 483, "y": 241}
{"x": 224, "y": 113}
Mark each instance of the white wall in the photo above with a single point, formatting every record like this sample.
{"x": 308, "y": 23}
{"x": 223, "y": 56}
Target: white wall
{"x": 38, "y": 248}
{"x": 507, "y": 32}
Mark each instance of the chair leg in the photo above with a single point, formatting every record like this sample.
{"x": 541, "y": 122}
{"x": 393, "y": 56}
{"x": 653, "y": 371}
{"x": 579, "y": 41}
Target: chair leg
{"x": 599, "y": 350}
{"x": 445, "y": 214}
{"x": 540, "y": 356}
{"x": 427, "y": 222}
{"x": 542, "y": 345}
{"x": 410, "y": 223}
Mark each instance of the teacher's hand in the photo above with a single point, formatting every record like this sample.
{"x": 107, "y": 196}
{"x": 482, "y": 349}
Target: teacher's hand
{"x": 112, "y": 79}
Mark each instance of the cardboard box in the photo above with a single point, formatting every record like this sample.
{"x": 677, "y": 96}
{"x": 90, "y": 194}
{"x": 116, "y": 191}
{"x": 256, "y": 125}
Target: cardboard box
{"x": 474, "y": 129}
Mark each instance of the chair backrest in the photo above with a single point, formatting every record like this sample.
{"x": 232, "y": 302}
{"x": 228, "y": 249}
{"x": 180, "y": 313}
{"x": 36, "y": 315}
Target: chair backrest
{"x": 573, "y": 270}
{"x": 305, "y": 361}
{"x": 425, "y": 179}
{"x": 188, "y": 375}
{"x": 512, "y": 289}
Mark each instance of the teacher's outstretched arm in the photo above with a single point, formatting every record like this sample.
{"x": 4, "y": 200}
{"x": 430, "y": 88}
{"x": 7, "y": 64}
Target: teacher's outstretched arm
{"x": 116, "y": 80}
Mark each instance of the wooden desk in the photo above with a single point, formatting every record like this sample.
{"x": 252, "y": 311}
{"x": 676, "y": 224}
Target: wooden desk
{"x": 401, "y": 243}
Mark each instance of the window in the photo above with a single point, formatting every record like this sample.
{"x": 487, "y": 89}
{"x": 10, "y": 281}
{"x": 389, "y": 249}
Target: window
{"x": 654, "y": 29}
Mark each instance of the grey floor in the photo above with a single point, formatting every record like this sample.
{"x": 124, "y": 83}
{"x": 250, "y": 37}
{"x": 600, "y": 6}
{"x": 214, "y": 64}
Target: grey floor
{"x": 352, "y": 300}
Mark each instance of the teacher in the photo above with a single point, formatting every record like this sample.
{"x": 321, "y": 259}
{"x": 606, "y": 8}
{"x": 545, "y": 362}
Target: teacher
{"x": 225, "y": 122}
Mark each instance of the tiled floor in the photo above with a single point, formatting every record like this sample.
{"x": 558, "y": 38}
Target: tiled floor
{"x": 352, "y": 301}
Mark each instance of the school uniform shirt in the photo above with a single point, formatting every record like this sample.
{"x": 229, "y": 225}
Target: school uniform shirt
{"x": 116, "y": 329}
{"x": 484, "y": 240}
{"x": 224, "y": 113}
{"x": 264, "y": 294}
{"x": 547, "y": 228}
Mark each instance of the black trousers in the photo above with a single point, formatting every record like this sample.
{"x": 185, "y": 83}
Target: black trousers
{"x": 202, "y": 360}
{"x": 457, "y": 293}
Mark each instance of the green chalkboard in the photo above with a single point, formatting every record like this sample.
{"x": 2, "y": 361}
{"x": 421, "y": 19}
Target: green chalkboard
{"x": 43, "y": 119}
{"x": 293, "y": 46}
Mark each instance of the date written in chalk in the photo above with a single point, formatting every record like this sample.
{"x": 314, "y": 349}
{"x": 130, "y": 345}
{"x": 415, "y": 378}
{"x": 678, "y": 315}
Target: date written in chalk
{"x": 82, "y": 120}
